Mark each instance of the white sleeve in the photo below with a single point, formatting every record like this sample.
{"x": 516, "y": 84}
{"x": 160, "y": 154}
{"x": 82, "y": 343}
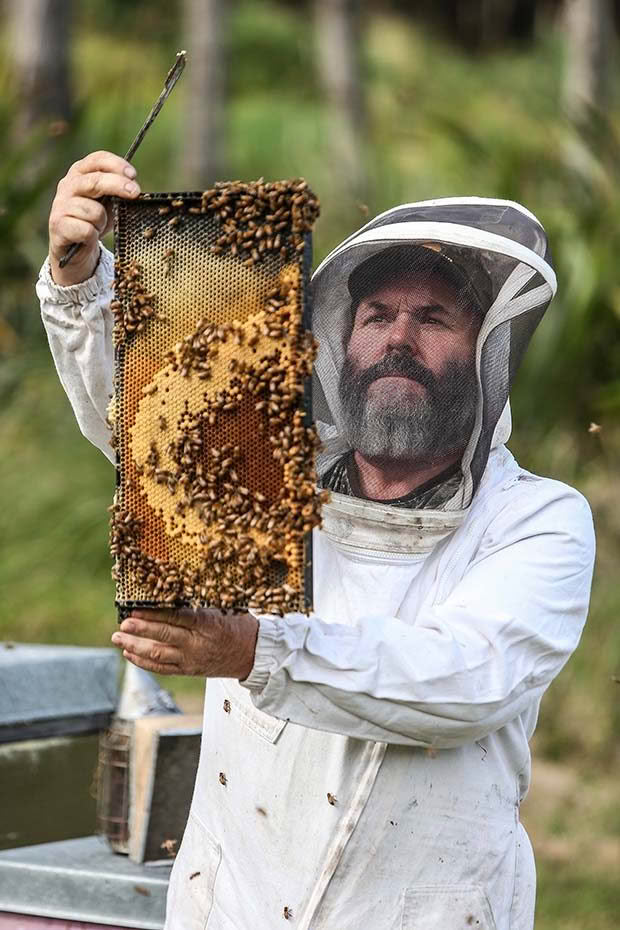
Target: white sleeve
{"x": 459, "y": 670}
{"x": 79, "y": 323}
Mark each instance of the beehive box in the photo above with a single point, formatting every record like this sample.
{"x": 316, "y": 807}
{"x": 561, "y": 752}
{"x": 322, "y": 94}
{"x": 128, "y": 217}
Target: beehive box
{"x": 211, "y": 416}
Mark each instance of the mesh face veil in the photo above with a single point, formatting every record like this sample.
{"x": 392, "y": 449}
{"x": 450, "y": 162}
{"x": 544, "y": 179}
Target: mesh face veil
{"x": 422, "y": 318}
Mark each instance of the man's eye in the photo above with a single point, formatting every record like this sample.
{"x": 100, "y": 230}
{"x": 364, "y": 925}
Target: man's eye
{"x": 376, "y": 318}
{"x": 434, "y": 320}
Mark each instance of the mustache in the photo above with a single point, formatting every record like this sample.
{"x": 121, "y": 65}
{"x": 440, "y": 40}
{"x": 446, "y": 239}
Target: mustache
{"x": 395, "y": 364}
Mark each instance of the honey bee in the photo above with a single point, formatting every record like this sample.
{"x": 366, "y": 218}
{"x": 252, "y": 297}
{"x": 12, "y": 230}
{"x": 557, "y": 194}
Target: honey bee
{"x": 287, "y": 913}
{"x": 222, "y": 779}
{"x": 167, "y": 261}
{"x": 169, "y": 846}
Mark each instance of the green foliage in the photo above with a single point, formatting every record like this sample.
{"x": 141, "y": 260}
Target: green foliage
{"x": 270, "y": 49}
{"x": 568, "y": 899}
{"x": 148, "y": 20}
{"x": 24, "y": 181}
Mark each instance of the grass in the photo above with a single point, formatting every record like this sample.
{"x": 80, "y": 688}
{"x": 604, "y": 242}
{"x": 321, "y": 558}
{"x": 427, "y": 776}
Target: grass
{"x": 569, "y": 900}
{"x": 572, "y": 819}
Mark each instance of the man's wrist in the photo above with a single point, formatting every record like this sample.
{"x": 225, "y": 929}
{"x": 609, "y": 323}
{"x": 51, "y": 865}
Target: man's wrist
{"x": 79, "y": 269}
{"x": 249, "y": 637}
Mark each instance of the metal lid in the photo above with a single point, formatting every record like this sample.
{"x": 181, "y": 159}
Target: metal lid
{"x": 55, "y": 690}
{"x": 82, "y": 880}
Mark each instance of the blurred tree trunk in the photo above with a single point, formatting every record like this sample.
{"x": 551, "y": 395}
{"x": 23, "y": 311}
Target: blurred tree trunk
{"x": 478, "y": 24}
{"x": 589, "y": 31}
{"x": 39, "y": 50}
{"x": 522, "y": 21}
{"x": 204, "y": 138}
{"x": 338, "y": 41}
{"x": 490, "y": 23}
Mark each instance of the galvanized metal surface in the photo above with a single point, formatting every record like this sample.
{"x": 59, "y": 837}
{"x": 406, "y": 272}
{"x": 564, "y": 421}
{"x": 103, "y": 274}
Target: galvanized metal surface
{"x": 82, "y": 880}
{"x": 27, "y": 922}
{"x": 55, "y": 690}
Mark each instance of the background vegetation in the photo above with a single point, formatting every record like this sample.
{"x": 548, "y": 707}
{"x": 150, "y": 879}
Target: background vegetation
{"x": 437, "y": 112}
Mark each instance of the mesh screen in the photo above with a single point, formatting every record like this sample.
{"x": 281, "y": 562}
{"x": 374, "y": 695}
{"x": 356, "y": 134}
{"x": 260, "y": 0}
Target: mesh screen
{"x": 404, "y": 384}
{"x": 499, "y": 218}
{"x": 216, "y": 495}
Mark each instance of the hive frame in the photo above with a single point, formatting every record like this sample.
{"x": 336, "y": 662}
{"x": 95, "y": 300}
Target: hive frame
{"x": 150, "y": 202}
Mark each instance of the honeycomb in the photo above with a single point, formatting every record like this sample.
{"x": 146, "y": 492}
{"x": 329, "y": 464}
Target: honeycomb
{"x": 216, "y": 492}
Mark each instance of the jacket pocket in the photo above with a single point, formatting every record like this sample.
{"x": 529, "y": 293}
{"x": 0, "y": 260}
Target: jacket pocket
{"x": 446, "y": 907}
{"x": 264, "y": 725}
{"x": 192, "y": 882}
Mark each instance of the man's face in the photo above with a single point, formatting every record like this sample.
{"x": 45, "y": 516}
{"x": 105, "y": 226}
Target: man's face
{"x": 408, "y": 382}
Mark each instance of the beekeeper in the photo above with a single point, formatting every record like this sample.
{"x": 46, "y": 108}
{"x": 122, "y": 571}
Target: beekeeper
{"x": 364, "y": 766}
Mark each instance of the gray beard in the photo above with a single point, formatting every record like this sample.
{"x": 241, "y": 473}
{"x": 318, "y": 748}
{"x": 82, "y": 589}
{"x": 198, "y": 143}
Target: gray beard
{"x": 423, "y": 428}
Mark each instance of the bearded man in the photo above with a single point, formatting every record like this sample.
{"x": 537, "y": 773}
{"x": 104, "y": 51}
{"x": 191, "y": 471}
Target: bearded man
{"x": 408, "y": 384}
{"x": 364, "y": 766}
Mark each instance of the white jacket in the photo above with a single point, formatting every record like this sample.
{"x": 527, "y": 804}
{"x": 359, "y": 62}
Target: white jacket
{"x": 369, "y": 771}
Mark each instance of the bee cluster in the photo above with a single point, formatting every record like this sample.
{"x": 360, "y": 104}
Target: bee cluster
{"x": 235, "y": 461}
{"x": 258, "y": 219}
{"x": 132, "y": 306}
{"x": 165, "y": 581}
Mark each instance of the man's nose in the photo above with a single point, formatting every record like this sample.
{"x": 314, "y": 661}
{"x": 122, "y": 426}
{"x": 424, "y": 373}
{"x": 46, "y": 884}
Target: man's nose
{"x": 403, "y": 333}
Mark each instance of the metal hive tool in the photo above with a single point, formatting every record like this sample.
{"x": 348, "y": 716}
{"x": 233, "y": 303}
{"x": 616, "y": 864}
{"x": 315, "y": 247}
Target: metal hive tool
{"x": 211, "y": 416}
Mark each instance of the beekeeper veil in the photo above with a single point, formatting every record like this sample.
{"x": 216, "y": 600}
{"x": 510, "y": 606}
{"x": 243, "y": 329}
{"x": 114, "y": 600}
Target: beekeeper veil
{"x": 422, "y": 318}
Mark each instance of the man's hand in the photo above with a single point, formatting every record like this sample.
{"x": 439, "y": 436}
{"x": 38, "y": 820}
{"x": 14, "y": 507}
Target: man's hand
{"x": 189, "y": 642}
{"x": 77, "y": 215}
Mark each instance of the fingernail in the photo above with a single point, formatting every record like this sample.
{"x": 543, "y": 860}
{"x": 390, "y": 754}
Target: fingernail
{"x": 127, "y": 626}
{"x": 130, "y": 171}
{"x": 117, "y": 639}
{"x": 132, "y": 188}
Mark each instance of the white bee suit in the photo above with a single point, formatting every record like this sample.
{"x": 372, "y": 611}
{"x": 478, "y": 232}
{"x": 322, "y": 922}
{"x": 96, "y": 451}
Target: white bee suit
{"x": 369, "y": 771}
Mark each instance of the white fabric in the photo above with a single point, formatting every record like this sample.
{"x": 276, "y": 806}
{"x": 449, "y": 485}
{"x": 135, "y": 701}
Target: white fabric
{"x": 359, "y": 526}
{"x": 449, "y": 233}
{"x": 79, "y": 324}
{"x": 438, "y": 202}
{"x": 408, "y": 699}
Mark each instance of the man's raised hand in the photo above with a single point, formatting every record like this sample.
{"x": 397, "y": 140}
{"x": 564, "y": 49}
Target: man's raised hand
{"x": 78, "y": 216}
